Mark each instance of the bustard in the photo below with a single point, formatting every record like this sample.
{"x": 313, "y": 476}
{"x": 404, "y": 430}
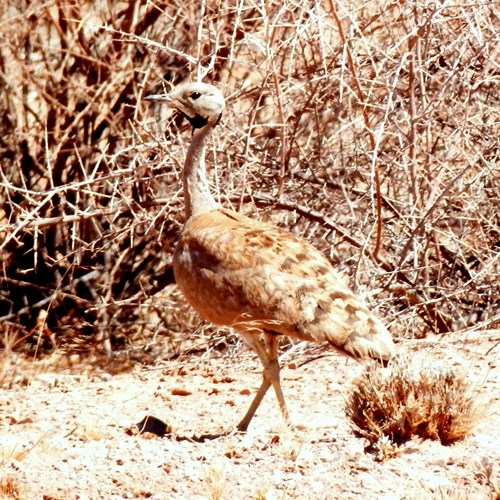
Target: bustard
{"x": 259, "y": 279}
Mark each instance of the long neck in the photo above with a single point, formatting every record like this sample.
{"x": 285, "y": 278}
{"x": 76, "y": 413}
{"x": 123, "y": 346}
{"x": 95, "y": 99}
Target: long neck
{"x": 197, "y": 196}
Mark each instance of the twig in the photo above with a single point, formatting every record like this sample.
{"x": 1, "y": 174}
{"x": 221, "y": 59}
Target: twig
{"x": 366, "y": 119}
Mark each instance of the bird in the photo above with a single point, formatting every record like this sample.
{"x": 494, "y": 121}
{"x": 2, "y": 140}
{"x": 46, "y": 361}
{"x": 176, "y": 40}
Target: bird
{"x": 259, "y": 279}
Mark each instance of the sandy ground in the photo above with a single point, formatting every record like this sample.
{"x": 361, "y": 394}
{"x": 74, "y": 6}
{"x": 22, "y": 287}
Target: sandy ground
{"x": 71, "y": 434}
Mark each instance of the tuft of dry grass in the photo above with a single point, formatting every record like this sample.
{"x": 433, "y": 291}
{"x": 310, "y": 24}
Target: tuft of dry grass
{"x": 10, "y": 488}
{"x": 489, "y": 470}
{"x": 90, "y": 431}
{"x": 216, "y": 480}
{"x": 287, "y": 442}
{"x": 412, "y": 397}
{"x": 262, "y": 493}
{"x": 12, "y": 448}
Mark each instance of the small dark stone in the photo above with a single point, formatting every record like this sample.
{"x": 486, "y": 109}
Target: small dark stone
{"x": 153, "y": 425}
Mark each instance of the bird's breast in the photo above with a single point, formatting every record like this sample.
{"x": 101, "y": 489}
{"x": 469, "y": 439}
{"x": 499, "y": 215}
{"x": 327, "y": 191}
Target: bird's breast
{"x": 201, "y": 281}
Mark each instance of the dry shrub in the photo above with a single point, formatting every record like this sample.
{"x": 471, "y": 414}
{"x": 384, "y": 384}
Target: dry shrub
{"x": 410, "y": 398}
{"x": 370, "y": 127}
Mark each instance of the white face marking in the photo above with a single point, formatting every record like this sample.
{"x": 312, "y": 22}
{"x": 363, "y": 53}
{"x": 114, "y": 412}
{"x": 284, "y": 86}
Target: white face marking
{"x": 198, "y": 99}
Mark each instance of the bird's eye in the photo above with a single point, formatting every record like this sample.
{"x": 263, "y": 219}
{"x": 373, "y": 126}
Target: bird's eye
{"x": 195, "y": 95}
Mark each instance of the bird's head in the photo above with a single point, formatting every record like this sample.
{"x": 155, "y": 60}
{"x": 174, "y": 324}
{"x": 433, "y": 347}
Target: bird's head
{"x": 202, "y": 104}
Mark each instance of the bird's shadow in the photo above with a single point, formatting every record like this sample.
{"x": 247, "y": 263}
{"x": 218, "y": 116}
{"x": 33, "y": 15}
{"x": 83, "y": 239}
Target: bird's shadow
{"x": 151, "y": 425}
{"x": 202, "y": 437}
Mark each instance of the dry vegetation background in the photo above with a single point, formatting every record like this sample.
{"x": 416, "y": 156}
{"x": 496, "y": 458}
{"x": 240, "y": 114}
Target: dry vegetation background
{"x": 372, "y": 128}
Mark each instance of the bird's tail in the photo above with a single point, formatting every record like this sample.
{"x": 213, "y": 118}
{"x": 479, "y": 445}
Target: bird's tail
{"x": 369, "y": 338}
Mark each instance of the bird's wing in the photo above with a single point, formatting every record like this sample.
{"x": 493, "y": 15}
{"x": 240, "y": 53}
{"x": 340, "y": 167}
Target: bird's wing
{"x": 232, "y": 241}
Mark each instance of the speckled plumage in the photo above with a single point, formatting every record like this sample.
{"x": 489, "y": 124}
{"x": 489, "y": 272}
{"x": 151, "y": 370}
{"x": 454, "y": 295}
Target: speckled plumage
{"x": 243, "y": 273}
{"x": 255, "y": 277}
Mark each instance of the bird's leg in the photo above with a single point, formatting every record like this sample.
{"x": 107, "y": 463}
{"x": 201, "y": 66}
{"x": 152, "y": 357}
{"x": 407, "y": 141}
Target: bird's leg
{"x": 268, "y": 355}
{"x": 272, "y": 373}
{"x": 245, "y": 421}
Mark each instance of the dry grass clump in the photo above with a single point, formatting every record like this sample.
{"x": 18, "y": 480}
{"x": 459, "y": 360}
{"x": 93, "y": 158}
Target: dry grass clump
{"x": 412, "y": 398}
{"x": 10, "y": 488}
{"x": 216, "y": 480}
{"x": 370, "y": 127}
